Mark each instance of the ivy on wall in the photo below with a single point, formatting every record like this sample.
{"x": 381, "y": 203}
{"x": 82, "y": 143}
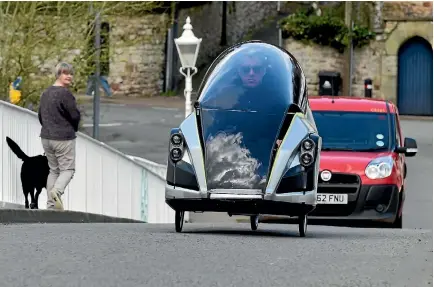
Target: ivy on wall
{"x": 328, "y": 29}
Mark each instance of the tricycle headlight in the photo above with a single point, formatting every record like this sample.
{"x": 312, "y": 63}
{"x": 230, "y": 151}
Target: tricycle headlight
{"x": 176, "y": 153}
{"x": 379, "y": 168}
{"x": 176, "y": 139}
{"x": 307, "y": 144}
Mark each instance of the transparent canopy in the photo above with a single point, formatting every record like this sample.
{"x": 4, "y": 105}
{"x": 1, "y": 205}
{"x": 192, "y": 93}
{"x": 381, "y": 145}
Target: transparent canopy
{"x": 243, "y": 101}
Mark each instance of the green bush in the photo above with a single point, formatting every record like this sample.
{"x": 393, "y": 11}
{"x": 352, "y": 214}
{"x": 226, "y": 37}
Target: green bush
{"x": 326, "y": 30}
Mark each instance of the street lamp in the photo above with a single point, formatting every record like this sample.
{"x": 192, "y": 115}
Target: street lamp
{"x": 188, "y": 48}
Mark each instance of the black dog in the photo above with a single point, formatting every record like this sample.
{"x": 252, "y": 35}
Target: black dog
{"x": 34, "y": 174}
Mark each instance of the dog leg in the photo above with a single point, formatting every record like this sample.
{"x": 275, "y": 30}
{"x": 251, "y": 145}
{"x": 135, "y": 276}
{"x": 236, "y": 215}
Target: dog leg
{"x": 26, "y": 195}
{"x": 38, "y": 191}
{"x": 32, "y": 198}
{"x": 27, "y": 188}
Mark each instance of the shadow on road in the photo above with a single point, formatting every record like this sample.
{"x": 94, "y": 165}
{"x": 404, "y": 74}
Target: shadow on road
{"x": 291, "y": 232}
{"x": 335, "y": 223}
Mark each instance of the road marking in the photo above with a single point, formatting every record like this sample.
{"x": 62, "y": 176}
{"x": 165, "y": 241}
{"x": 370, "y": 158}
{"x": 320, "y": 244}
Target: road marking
{"x": 113, "y": 104}
{"x": 165, "y": 109}
{"x": 104, "y": 125}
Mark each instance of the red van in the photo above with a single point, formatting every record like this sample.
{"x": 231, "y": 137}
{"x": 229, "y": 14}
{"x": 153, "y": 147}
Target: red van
{"x": 362, "y": 166}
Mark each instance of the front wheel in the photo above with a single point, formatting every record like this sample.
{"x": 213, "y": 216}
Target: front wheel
{"x": 254, "y": 222}
{"x": 179, "y": 220}
{"x": 302, "y": 225}
{"x": 398, "y": 221}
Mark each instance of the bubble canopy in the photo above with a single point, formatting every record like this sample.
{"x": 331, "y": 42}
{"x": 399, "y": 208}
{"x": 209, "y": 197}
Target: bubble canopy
{"x": 253, "y": 76}
{"x": 243, "y": 101}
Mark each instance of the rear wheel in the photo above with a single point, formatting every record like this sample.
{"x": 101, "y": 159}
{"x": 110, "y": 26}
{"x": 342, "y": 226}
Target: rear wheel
{"x": 254, "y": 222}
{"x": 302, "y": 225}
{"x": 179, "y": 220}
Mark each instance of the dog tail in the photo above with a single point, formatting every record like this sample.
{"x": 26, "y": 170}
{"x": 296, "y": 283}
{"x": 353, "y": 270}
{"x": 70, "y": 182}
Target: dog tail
{"x": 16, "y": 149}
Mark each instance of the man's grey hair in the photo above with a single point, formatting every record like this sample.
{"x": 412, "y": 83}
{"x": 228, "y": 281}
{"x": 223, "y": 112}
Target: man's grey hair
{"x": 63, "y": 68}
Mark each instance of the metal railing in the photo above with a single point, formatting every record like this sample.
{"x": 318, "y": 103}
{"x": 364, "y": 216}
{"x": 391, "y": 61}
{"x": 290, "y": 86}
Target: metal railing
{"x": 106, "y": 181}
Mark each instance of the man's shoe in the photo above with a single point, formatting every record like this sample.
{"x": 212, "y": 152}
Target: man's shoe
{"x": 57, "y": 201}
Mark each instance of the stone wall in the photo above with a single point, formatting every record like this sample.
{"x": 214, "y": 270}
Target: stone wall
{"x": 407, "y": 10}
{"x": 315, "y": 58}
{"x": 242, "y": 17}
{"x": 138, "y": 55}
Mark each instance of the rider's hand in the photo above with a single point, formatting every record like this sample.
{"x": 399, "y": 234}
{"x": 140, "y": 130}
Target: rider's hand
{"x": 278, "y": 142}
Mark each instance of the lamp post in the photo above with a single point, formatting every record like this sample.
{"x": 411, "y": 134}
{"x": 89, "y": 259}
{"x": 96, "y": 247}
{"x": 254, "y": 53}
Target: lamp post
{"x": 188, "y": 48}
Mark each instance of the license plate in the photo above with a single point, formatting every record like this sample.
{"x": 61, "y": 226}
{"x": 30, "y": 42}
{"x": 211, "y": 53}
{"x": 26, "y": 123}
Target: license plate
{"x": 328, "y": 198}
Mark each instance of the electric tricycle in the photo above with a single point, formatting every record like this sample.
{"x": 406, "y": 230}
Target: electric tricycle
{"x": 250, "y": 146}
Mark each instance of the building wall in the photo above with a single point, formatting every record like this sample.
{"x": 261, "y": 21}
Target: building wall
{"x": 137, "y": 45}
{"x": 138, "y": 55}
{"x": 242, "y": 17}
{"x": 315, "y": 58}
{"x": 138, "y": 69}
{"x": 406, "y": 10}
{"x": 402, "y": 21}
{"x": 379, "y": 60}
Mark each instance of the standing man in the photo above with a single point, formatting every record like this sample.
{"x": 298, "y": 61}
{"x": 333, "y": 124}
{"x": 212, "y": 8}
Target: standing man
{"x": 59, "y": 118}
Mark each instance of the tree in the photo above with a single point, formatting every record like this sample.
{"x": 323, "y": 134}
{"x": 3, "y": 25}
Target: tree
{"x": 35, "y": 36}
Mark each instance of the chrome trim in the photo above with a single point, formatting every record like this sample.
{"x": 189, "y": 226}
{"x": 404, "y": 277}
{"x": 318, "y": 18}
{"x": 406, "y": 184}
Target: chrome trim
{"x": 308, "y": 197}
{"x": 189, "y": 130}
{"x": 234, "y": 196}
{"x": 236, "y": 191}
{"x": 175, "y": 192}
{"x": 288, "y": 148}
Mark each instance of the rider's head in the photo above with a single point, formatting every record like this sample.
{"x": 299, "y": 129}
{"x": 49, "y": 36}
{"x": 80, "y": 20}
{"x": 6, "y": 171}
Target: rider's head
{"x": 252, "y": 70}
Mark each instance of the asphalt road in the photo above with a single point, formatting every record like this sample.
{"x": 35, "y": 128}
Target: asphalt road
{"x": 135, "y": 130}
{"x": 220, "y": 255}
{"x": 143, "y": 131}
{"x": 418, "y": 208}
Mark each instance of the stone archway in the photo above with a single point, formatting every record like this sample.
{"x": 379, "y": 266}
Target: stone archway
{"x": 389, "y": 65}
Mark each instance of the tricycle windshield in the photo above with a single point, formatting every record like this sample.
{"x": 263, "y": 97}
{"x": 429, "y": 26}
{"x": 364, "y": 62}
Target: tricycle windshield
{"x": 242, "y": 105}
{"x": 254, "y": 77}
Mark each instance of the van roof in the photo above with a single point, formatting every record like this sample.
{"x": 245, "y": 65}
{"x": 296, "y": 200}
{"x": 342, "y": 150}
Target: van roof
{"x": 350, "y": 104}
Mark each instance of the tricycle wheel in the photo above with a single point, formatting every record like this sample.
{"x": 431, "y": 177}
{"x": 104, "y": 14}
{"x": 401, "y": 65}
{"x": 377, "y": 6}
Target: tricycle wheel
{"x": 302, "y": 225}
{"x": 179, "y": 220}
{"x": 254, "y": 222}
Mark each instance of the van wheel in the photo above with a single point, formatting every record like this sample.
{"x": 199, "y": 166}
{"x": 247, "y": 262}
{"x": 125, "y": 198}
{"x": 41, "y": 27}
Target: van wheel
{"x": 397, "y": 223}
{"x": 254, "y": 222}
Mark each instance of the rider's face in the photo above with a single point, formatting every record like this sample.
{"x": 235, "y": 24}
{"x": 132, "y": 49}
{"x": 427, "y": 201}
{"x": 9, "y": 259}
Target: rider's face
{"x": 251, "y": 72}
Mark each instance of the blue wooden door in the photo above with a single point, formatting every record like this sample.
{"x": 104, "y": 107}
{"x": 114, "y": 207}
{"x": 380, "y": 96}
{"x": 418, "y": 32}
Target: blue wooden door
{"x": 415, "y": 78}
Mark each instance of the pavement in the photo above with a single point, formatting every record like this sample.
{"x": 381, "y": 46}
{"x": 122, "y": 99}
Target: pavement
{"x": 14, "y": 215}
